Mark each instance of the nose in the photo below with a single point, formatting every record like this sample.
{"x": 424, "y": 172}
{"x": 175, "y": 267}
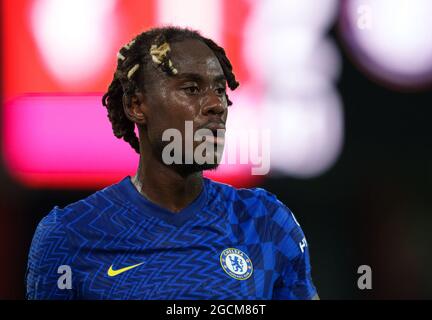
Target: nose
{"x": 213, "y": 104}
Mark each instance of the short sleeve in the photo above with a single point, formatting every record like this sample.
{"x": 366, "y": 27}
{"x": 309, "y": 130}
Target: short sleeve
{"x": 292, "y": 255}
{"x": 48, "y": 252}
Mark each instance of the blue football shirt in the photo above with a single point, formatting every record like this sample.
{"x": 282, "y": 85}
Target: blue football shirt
{"x": 227, "y": 244}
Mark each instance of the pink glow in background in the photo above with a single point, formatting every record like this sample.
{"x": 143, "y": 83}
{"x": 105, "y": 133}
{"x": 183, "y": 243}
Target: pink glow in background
{"x": 67, "y": 140}
{"x": 57, "y": 136}
{"x": 55, "y": 129}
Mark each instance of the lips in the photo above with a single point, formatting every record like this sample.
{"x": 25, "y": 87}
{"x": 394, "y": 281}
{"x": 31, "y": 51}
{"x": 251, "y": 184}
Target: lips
{"x": 215, "y": 128}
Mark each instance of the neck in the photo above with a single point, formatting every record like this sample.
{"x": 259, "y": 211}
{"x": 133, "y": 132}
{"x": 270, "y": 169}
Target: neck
{"x": 164, "y": 186}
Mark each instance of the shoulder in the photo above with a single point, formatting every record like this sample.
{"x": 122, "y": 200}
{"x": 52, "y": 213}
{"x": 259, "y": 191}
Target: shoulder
{"x": 258, "y": 201}
{"x": 49, "y": 230}
{"x": 94, "y": 204}
{"x": 230, "y": 192}
{"x": 60, "y": 221}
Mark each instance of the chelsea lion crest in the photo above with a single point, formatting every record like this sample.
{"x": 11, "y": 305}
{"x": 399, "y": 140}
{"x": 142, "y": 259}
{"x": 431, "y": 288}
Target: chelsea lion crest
{"x": 236, "y": 263}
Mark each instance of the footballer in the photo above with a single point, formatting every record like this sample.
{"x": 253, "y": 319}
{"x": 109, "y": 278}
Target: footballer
{"x": 168, "y": 232}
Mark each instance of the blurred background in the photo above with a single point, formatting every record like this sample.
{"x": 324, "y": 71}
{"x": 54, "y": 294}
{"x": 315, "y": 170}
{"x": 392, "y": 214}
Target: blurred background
{"x": 343, "y": 86}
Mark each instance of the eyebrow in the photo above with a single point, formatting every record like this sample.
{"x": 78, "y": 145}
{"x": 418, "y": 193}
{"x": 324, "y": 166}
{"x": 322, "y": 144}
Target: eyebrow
{"x": 197, "y": 77}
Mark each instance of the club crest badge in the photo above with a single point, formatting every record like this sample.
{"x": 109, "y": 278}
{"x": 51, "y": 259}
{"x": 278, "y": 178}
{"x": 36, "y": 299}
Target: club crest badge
{"x": 236, "y": 263}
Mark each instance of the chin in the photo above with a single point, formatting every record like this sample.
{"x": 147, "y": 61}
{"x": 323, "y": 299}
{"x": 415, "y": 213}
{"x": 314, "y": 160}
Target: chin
{"x": 187, "y": 169}
{"x": 204, "y": 167}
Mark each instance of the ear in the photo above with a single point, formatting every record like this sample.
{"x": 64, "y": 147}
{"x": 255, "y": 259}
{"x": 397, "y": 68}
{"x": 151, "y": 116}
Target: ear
{"x": 135, "y": 108}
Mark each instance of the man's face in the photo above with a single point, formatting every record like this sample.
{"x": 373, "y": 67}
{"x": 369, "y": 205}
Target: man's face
{"x": 195, "y": 94}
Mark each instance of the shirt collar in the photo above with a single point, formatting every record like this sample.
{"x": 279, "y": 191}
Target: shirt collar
{"x": 127, "y": 191}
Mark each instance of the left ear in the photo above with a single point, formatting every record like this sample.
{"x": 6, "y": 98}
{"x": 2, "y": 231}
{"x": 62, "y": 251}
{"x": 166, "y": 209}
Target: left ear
{"x": 135, "y": 108}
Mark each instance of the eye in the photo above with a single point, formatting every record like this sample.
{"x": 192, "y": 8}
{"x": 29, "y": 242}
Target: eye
{"x": 221, "y": 90}
{"x": 191, "y": 90}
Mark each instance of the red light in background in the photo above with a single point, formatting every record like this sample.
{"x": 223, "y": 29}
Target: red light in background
{"x": 56, "y": 132}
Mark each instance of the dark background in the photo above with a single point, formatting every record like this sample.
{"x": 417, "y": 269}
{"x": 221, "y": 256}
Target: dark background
{"x": 371, "y": 208}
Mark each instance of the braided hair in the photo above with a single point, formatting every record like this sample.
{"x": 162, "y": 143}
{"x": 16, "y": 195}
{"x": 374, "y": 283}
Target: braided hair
{"x": 137, "y": 54}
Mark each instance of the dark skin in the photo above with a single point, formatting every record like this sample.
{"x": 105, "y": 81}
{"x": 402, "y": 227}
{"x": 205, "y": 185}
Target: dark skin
{"x": 196, "y": 93}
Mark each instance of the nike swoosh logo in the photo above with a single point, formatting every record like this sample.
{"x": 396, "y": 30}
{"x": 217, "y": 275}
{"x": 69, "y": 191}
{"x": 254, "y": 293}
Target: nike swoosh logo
{"x": 112, "y": 273}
